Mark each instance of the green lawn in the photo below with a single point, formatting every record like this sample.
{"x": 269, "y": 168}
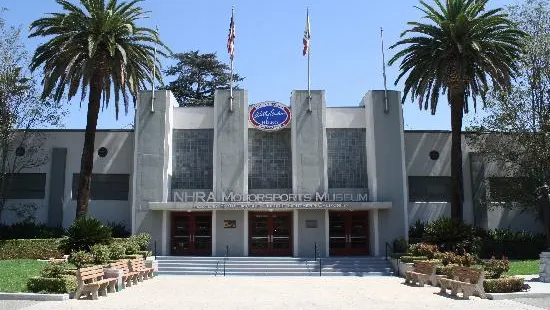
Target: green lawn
{"x": 14, "y": 273}
{"x": 523, "y": 267}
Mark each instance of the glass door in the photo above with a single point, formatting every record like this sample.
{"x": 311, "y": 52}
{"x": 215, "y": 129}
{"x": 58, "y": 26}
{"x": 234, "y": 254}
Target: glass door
{"x": 338, "y": 237}
{"x": 270, "y": 234}
{"x": 349, "y": 233}
{"x": 191, "y": 234}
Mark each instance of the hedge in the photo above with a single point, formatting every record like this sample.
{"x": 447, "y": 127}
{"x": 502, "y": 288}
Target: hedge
{"x": 65, "y": 284}
{"x": 412, "y": 259}
{"x": 29, "y": 249}
{"x": 504, "y": 285}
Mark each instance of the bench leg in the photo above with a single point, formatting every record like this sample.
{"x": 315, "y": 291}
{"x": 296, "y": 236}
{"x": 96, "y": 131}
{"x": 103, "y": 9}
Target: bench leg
{"x": 454, "y": 289}
{"x": 78, "y": 292}
{"x": 111, "y": 288}
{"x": 95, "y": 294}
{"x": 443, "y": 289}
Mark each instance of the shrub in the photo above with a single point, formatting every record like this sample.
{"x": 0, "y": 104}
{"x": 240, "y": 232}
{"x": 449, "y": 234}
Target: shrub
{"x": 445, "y": 270}
{"x": 141, "y": 240}
{"x": 145, "y": 254}
{"x": 449, "y": 258}
{"x": 452, "y": 235}
{"x": 53, "y": 270}
{"x": 30, "y": 249}
{"x": 130, "y": 247}
{"x": 116, "y": 251}
{"x": 412, "y": 259}
{"x": 101, "y": 254}
{"x": 64, "y": 284}
{"x": 118, "y": 230}
{"x": 416, "y": 231}
{"x": 84, "y": 233}
{"x": 29, "y": 230}
{"x": 81, "y": 259}
{"x": 424, "y": 249}
{"x": 468, "y": 260}
{"x": 517, "y": 245}
{"x": 494, "y": 268}
{"x": 400, "y": 245}
{"x": 505, "y": 285}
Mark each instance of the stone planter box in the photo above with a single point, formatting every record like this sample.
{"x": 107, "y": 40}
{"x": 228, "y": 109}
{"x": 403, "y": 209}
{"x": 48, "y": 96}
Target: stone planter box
{"x": 545, "y": 267}
{"x": 401, "y": 267}
{"x": 115, "y": 273}
{"x": 150, "y": 262}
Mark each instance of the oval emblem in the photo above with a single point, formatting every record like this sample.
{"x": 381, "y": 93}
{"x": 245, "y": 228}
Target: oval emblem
{"x": 269, "y": 115}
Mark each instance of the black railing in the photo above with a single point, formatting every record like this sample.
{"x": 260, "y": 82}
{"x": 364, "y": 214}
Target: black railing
{"x": 317, "y": 255}
{"x": 226, "y": 257}
{"x": 390, "y": 254}
{"x": 155, "y": 249}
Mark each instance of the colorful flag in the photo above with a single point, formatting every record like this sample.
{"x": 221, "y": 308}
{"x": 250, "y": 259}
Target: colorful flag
{"x": 231, "y": 38}
{"x": 307, "y": 36}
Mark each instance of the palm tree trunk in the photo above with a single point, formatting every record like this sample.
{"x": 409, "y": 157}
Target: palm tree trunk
{"x": 457, "y": 103}
{"x": 87, "y": 160}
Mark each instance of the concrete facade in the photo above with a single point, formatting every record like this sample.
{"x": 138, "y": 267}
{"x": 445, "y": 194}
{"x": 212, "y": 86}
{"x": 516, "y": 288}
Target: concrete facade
{"x": 179, "y": 152}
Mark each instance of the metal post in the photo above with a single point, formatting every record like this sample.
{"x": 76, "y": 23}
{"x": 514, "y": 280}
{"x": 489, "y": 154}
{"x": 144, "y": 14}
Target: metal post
{"x": 315, "y": 254}
{"x": 155, "y": 249}
{"x": 386, "y": 105}
{"x": 320, "y": 267}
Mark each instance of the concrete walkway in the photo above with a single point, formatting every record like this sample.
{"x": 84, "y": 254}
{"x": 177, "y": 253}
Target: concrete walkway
{"x": 205, "y": 292}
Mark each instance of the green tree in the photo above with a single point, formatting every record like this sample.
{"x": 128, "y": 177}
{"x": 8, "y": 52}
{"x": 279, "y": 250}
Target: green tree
{"x": 96, "y": 48}
{"x": 515, "y": 135}
{"x": 21, "y": 110}
{"x": 461, "y": 48}
{"x": 197, "y": 78}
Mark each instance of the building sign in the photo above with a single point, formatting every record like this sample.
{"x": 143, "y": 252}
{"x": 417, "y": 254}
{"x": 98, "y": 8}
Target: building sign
{"x": 269, "y": 116}
{"x": 179, "y": 196}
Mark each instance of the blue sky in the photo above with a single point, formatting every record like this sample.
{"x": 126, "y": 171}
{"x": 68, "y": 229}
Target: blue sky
{"x": 346, "y": 56}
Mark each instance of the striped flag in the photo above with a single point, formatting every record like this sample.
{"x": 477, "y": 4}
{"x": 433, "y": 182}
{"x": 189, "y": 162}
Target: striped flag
{"x": 307, "y": 36}
{"x": 231, "y": 38}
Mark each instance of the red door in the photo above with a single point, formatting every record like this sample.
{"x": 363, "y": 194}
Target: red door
{"x": 270, "y": 234}
{"x": 191, "y": 233}
{"x": 349, "y": 233}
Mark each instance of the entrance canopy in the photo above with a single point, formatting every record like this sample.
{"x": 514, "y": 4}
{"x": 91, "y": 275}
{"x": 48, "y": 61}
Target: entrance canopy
{"x": 269, "y": 206}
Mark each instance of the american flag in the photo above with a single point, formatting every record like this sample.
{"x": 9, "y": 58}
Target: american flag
{"x": 307, "y": 36}
{"x": 231, "y": 38}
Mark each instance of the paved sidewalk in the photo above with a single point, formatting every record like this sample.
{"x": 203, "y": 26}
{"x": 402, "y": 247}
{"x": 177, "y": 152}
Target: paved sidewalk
{"x": 205, "y": 292}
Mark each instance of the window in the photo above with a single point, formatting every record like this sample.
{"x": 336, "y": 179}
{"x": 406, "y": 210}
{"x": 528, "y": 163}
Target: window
{"x": 192, "y": 158}
{"x": 106, "y": 186}
{"x": 269, "y": 159}
{"x": 429, "y": 189}
{"x": 26, "y": 186}
{"x": 509, "y": 189}
{"x": 347, "y": 160}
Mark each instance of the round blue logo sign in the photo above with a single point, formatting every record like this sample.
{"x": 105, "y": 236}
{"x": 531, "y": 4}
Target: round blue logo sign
{"x": 269, "y": 115}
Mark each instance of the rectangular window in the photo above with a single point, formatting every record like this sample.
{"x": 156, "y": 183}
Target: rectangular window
{"x": 26, "y": 186}
{"x": 192, "y": 158}
{"x": 347, "y": 158}
{"x": 269, "y": 159}
{"x": 106, "y": 186}
{"x": 509, "y": 189}
{"x": 430, "y": 189}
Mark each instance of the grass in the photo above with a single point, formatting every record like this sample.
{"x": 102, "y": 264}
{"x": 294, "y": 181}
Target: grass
{"x": 523, "y": 267}
{"x": 14, "y": 274}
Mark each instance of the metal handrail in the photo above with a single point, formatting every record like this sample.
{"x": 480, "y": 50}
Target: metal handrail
{"x": 315, "y": 251}
{"x": 217, "y": 266}
{"x": 388, "y": 246}
{"x": 391, "y": 249}
{"x": 226, "y": 257}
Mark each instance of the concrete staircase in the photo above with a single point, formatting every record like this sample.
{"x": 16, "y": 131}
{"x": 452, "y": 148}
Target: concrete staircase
{"x": 273, "y": 266}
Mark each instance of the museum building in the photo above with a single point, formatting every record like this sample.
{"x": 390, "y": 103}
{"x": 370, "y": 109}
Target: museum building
{"x": 263, "y": 179}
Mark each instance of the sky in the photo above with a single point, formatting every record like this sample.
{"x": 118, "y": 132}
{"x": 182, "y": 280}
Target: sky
{"x": 346, "y": 54}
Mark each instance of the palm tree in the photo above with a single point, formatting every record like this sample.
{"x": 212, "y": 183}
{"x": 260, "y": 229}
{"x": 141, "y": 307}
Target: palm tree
{"x": 457, "y": 53}
{"x": 95, "y": 48}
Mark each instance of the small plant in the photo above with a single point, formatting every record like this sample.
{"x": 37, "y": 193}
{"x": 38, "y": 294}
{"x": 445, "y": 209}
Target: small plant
{"x": 101, "y": 254}
{"x": 416, "y": 231}
{"x": 505, "y": 285}
{"x": 400, "y": 245}
{"x": 468, "y": 259}
{"x": 84, "y": 233}
{"x": 449, "y": 258}
{"x": 81, "y": 259}
{"x": 424, "y": 249}
{"x": 118, "y": 230}
{"x": 142, "y": 240}
{"x": 53, "y": 270}
{"x": 494, "y": 268}
{"x": 116, "y": 250}
{"x": 130, "y": 246}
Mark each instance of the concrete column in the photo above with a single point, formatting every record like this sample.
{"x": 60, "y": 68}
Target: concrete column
{"x": 57, "y": 187}
{"x": 309, "y": 142}
{"x": 389, "y": 183}
{"x": 230, "y": 143}
{"x": 152, "y": 162}
{"x": 245, "y": 233}
{"x": 164, "y": 233}
{"x": 295, "y": 232}
{"x": 214, "y": 233}
{"x": 327, "y": 234}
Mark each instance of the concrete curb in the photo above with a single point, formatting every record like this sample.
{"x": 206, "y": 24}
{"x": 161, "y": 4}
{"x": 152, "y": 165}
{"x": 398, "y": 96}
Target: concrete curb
{"x": 34, "y": 296}
{"x": 502, "y": 296}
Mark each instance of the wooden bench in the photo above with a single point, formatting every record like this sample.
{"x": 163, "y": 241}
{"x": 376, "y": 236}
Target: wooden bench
{"x": 138, "y": 265}
{"x": 422, "y": 273}
{"x": 467, "y": 280}
{"x": 90, "y": 280}
{"x": 128, "y": 277}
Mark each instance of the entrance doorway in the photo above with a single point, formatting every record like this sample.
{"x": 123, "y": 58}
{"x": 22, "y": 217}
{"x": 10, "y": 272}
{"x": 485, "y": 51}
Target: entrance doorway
{"x": 349, "y": 233}
{"x": 191, "y": 233}
{"x": 270, "y": 233}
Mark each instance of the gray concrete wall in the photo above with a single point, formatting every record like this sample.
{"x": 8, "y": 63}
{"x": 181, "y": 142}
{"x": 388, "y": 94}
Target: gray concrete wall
{"x": 234, "y": 237}
{"x": 57, "y": 186}
{"x": 386, "y": 165}
{"x": 309, "y": 142}
{"x": 230, "y": 143}
{"x": 153, "y": 162}
{"x": 308, "y": 236}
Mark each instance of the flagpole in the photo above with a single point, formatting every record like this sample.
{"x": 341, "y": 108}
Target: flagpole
{"x": 308, "y": 75}
{"x": 154, "y": 75}
{"x": 231, "y": 66}
{"x": 386, "y": 106}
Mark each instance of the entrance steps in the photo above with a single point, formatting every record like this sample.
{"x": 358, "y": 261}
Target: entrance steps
{"x": 273, "y": 266}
